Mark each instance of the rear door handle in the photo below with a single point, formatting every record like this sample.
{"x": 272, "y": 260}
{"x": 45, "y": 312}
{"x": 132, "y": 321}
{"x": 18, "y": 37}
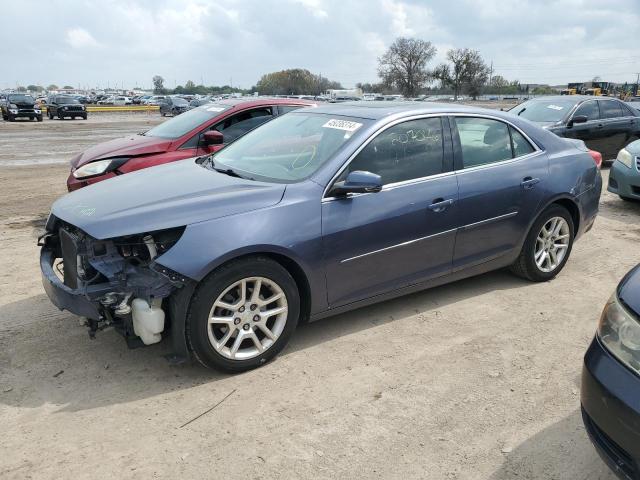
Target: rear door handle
{"x": 529, "y": 182}
{"x": 440, "y": 204}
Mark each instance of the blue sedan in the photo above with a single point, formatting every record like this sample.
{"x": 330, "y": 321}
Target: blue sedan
{"x": 610, "y": 394}
{"x": 317, "y": 212}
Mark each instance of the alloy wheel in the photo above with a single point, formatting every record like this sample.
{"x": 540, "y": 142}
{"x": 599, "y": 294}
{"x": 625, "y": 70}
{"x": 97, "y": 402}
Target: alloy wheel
{"x": 247, "y": 318}
{"x": 552, "y": 244}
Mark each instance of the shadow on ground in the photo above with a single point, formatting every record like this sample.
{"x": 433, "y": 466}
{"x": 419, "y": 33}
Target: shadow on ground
{"x": 37, "y": 342}
{"x": 561, "y": 451}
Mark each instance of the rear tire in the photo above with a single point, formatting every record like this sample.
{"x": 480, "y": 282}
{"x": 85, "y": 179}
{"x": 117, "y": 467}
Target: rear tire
{"x": 262, "y": 336}
{"x": 627, "y": 199}
{"x": 543, "y": 257}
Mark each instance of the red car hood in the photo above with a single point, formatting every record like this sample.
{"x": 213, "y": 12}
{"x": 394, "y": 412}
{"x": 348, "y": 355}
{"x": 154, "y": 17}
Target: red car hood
{"x": 122, "y": 147}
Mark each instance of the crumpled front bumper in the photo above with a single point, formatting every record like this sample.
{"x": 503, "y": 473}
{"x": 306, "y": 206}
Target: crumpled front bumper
{"x": 62, "y": 296}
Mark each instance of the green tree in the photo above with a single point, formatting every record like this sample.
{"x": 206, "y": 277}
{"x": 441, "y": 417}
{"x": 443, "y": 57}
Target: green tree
{"x": 189, "y": 87}
{"x": 404, "y": 65}
{"x": 295, "y": 81}
{"x": 53, "y": 86}
{"x": 68, "y": 87}
{"x": 35, "y": 88}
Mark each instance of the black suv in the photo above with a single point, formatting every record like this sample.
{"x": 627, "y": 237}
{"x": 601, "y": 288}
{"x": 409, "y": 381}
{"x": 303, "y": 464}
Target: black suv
{"x": 173, "y": 106}
{"x": 16, "y": 105}
{"x": 62, "y": 106}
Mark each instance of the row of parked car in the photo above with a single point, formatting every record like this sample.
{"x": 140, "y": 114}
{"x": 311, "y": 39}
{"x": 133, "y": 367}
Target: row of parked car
{"x": 260, "y": 214}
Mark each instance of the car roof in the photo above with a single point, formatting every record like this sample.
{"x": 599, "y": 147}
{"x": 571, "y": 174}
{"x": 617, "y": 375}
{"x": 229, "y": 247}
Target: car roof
{"x": 376, "y": 110}
{"x": 576, "y": 98}
{"x": 260, "y": 101}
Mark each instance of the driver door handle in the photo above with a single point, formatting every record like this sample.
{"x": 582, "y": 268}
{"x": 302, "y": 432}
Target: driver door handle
{"x": 529, "y": 182}
{"x": 440, "y": 204}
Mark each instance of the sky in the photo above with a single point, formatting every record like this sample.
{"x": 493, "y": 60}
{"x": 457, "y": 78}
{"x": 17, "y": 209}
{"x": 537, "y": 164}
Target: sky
{"x": 121, "y": 43}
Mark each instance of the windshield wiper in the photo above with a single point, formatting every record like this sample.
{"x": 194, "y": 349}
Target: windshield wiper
{"x": 226, "y": 170}
{"x": 522, "y": 111}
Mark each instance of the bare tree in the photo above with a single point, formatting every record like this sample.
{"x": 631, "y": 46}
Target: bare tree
{"x": 404, "y": 65}
{"x": 467, "y": 70}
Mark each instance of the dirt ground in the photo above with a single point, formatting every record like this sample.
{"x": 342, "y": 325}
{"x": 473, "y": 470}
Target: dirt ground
{"x": 474, "y": 380}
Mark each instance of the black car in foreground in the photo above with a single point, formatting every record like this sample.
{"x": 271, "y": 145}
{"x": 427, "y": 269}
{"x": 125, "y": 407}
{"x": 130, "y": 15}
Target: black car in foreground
{"x": 173, "y": 106}
{"x": 605, "y": 124}
{"x": 63, "y": 106}
{"x": 610, "y": 393}
{"x": 20, "y": 105}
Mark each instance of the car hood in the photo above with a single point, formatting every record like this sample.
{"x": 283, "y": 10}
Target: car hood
{"x": 131, "y": 146}
{"x": 166, "y": 196}
{"x": 24, "y": 104}
{"x": 629, "y": 290}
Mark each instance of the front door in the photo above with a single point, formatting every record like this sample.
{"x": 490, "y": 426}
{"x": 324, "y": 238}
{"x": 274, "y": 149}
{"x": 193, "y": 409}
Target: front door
{"x": 501, "y": 178}
{"x": 378, "y": 242}
{"x": 591, "y": 132}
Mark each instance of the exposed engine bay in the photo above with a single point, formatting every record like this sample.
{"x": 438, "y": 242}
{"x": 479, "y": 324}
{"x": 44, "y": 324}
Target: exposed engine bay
{"x": 113, "y": 282}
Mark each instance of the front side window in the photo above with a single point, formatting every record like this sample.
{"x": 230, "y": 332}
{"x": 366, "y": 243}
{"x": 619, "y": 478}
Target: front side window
{"x": 588, "y": 109}
{"x": 483, "y": 141}
{"x": 406, "y": 151}
{"x": 237, "y": 125}
{"x": 610, "y": 109}
{"x": 289, "y": 148}
{"x": 186, "y": 122}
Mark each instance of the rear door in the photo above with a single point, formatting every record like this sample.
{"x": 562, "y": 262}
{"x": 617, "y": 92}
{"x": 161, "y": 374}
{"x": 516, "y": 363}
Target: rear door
{"x": 501, "y": 177}
{"x": 616, "y": 125}
{"x": 378, "y": 242}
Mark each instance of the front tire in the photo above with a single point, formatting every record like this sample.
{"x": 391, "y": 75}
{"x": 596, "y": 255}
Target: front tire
{"x": 243, "y": 314}
{"x": 547, "y": 246}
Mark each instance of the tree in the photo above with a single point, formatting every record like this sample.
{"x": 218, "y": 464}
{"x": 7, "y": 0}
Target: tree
{"x": 404, "y": 65}
{"x": 158, "y": 84}
{"x": 189, "y": 87}
{"x": 34, "y": 88}
{"x": 53, "y": 86}
{"x": 68, "y": 87}
{"x": 467, "y": 70}
{"x": 296, "y": 81}
{"x": 443, "y": 73}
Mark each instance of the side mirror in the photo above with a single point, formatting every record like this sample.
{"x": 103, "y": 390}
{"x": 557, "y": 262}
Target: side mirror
{"x": 212, "y": 137}
{"x": 577, "y": 119}
{"x": 357, "y": 182}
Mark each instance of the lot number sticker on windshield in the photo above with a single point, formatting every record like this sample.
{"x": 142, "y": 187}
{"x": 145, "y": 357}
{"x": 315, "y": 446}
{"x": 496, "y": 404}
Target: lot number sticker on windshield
{"x": 555, "y": 107}
{"x": 345, "y": 125}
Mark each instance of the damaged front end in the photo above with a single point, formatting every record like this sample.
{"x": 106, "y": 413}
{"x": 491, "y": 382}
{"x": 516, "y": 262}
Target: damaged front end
{"x": 112, "y": 283}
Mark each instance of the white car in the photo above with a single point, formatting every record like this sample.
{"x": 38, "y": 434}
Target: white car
{"x": 121, "y": 101}
{"x": 155, "y": 100}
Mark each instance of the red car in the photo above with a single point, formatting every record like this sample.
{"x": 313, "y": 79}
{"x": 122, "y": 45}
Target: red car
{"x": 200, "y": 131}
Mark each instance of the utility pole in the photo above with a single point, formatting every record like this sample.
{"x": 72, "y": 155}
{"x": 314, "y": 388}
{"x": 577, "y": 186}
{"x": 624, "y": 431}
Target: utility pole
{"x": 490, "y": 72}
{"x": 638, "y": 83}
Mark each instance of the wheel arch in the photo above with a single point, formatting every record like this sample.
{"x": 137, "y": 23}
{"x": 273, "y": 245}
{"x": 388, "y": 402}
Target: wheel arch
{"x": 287, "y": 261}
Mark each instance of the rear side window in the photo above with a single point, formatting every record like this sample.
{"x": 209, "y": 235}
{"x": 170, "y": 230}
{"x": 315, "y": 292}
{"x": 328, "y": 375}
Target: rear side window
{"x": 483, "y": 141}
{"x": 610, "y": 109}
{"x": 588, "y": 109}
{"x": 406, "y": 151}
{"x": 521, "y": 145}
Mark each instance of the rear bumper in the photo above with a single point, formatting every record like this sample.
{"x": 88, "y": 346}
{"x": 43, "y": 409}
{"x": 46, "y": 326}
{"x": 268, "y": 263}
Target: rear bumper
{"x": 624, "y": 181}
{"x": 610, "y": 398}
{"x": 62, "y": 296}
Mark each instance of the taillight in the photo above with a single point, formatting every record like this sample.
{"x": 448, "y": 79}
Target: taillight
{"x": 597, "y": 157}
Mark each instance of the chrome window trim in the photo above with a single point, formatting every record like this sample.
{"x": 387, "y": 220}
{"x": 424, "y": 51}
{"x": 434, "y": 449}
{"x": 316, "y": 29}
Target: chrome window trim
{"x": 537, "y": 150}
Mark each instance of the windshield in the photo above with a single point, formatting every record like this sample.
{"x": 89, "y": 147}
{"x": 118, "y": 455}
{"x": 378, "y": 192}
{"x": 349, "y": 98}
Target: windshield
{"x": 20, "y": 98}
{"x": 67, "y": 100}
{"x": 289, "y": 148}
{"x": 180, "y": 101}
{"x": 183, "y": 124}
{"x": 543, "y": 110}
